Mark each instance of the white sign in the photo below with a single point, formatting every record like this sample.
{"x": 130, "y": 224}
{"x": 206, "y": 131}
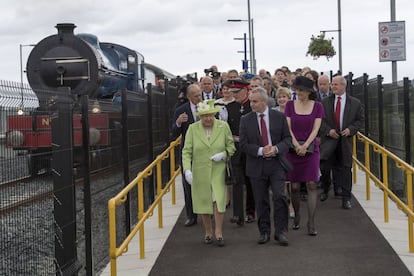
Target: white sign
{"x": 391, "y": 41}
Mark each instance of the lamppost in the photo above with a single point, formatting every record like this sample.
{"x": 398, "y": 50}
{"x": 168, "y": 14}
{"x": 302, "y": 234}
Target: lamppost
{"x": 244, "y": 62}
{"x": 251, "y": 38}
{"x": 339, "y": 30}
{"x": 251, "y": 43}
{"x": 20, "y": 111}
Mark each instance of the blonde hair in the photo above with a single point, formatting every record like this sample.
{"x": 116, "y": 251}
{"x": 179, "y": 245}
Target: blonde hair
{"x": 283, "y": 91}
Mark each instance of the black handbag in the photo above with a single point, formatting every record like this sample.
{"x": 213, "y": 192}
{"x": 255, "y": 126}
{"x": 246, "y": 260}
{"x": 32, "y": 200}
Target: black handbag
{"x": 309, "y": 150}
{"x": 229, "y": 173}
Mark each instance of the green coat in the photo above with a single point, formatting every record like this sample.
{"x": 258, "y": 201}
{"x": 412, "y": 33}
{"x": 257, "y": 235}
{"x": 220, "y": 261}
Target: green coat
{"x": 208, "y": 175}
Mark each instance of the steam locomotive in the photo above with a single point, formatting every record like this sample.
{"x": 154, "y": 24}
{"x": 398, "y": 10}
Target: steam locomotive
{"x": 84, "y": 66}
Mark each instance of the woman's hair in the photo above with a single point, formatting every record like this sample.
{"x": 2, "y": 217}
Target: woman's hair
{"x": 283, "y": 91}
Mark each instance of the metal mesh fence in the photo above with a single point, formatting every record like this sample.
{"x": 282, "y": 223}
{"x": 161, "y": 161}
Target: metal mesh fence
{"x": 26, "y": 199}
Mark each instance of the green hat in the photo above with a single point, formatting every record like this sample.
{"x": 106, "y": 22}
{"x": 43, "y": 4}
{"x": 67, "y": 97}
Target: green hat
{"x": 206, "y": 107}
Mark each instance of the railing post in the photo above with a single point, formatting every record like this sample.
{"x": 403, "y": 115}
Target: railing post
{"x": 140, "y": 215}
{"x": 368, "y": 166}
{"x": 159, "y": 188}
{"x": 112, "y": 235}
{"x": 385, "y": 183}
{"x": 410, "y": 206}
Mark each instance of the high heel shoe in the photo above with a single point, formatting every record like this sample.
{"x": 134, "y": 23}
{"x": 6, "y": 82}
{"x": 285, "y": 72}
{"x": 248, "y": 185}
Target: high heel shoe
{"x": 208, "y": 240}
{"x": 311, "y": 230}
{"x": 220, "y": 241}
{"x": 296, "y": 222}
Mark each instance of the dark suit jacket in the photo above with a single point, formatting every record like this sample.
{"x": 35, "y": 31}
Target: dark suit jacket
{"x": 353, "y": 119}
{"x": 176, "y": 131}
{"x": 250, "y": 140}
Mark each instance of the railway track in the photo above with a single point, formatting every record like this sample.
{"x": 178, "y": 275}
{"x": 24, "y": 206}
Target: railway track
{"x": 29, "y": 190}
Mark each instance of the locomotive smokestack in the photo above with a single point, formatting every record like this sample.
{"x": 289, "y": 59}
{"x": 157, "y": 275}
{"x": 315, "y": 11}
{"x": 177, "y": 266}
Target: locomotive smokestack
{"x": 65, "y": 28}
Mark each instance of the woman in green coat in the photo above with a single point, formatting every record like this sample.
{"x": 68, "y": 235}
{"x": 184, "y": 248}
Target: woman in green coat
{"x": 208, "y": 144}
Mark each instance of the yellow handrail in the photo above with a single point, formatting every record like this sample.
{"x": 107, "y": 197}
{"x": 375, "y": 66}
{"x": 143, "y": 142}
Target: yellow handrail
{"x": 120, "y": 198}
{"x": 407, "y": 208}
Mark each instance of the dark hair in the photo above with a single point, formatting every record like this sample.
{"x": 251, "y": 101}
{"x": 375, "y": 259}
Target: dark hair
{"x": 312, "y": 95}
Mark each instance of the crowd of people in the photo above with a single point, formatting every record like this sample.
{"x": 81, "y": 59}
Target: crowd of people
{"x": 254, "y": 142}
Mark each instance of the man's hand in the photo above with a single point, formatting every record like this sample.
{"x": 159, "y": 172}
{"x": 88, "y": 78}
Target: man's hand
{"x": 333, "y": 134}
{"x": 269, "y": 151}
{"x": 189, "y": 176}
{"x": 182, "y": 118}
{"x": 218, "y": 156}
{"x": 346, "y": 132}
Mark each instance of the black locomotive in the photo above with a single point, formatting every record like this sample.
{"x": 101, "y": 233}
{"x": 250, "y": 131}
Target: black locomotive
{"x": 83, "y": 65}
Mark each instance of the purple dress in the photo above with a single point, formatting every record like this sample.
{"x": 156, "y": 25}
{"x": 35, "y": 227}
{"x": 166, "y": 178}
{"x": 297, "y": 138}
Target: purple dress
{"x": 305, "y": 168}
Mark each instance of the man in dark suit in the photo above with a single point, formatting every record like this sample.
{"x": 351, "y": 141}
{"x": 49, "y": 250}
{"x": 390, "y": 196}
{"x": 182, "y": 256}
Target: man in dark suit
{"x": 265, "y": 137}
{"x": 184, "y": 115}
{"x": 344, "y": 117}
{"x": 237, "y": 109}
{"x": 207, "y": 86}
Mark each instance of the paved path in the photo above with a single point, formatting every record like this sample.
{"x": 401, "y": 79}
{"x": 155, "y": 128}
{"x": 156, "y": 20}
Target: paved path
{"x": 348, "y": 243}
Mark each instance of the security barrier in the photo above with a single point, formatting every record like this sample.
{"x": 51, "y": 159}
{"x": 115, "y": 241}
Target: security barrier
{"x": 143, "y": 215}
{"x": 383, "y": 181}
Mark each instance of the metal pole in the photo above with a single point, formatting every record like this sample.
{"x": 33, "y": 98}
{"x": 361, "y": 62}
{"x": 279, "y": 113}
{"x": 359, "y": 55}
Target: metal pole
{"x": 339, "y": 37}
{"x": 21, "y": 64}
{"x": 250, "y": 37}
{"x": 393, "y": 63}
{"x": 245, "y": 65}
{"x": 20, "y": 112}
{"x": 253, "y": 50}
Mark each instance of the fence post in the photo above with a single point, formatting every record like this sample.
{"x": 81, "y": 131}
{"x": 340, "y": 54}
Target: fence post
{"x": 87, "y": 198}
{"x": 366, "y": 104}
{"x": 125, "y": 157}
{"x": 150, "y": 141}
{"x": 407, "y": 128}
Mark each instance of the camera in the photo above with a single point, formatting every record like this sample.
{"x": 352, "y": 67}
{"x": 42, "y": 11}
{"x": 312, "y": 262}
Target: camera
{"x": 285, "y": 84}
{"x": 208, "y": 70}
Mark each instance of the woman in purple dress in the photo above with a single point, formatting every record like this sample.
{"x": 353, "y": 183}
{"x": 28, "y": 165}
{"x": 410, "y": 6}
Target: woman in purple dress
{"x": 304, "y": 116}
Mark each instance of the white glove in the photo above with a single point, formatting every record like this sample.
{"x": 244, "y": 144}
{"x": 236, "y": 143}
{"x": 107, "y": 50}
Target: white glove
{"x": 223, "y": 114}
{"x": 218, "y": 156}
{"x": 188, "y": 176}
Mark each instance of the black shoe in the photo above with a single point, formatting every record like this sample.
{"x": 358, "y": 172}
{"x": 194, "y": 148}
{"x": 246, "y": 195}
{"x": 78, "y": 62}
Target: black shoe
{"x": 338, "y": 194}
{"x": 220, "y": 242}
{"x": 190, "y": 222}
{"x": 249, "y": 219}
{"x": 323, "y": 196}
{"x": 239, "y": 221}
{"x": 228, "y": 204}
{"x": 264, "y": 238}
{"x": 282, "y": 239}
{"x": 346, "y": 204}
{"x": 296, "y": 223}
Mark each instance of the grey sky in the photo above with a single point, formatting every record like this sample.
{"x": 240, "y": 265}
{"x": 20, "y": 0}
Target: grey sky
{"x": 185, "y": 36}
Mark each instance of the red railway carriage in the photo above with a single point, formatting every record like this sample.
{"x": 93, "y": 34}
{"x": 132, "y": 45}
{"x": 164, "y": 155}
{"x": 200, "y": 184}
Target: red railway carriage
{"x": 34, "y": 132}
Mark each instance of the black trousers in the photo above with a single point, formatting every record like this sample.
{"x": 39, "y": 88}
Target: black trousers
{"x": 273, "y": 177}
{"x": 238, "y": 165}
{"x": 342, "y": 174}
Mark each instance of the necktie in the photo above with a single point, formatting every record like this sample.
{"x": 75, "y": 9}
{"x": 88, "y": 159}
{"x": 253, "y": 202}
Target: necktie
{"x": 263, "y": 130}
{"x": 338, "y": 113}
{"x": 208, "y": 96}
{"x": 294, "y": 96}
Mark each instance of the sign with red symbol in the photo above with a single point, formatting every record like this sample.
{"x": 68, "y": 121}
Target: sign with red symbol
{"x": 391, "y": 41}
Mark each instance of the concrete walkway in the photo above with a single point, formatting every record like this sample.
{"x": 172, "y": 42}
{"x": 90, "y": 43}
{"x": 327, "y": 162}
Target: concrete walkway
{"x": 395, "y": 232}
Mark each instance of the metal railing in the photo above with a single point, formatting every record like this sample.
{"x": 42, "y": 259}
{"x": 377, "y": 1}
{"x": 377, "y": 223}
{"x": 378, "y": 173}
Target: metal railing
{"x": 143, "y": 214}
{"x": 383, "y": 181}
